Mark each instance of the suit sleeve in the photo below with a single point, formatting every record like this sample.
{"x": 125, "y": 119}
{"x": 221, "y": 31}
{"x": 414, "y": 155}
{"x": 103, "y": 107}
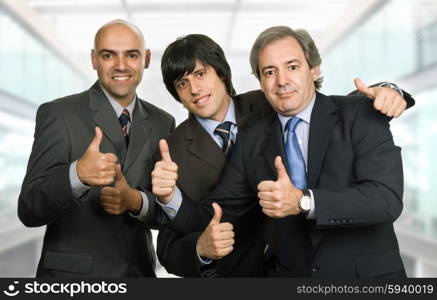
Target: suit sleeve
{"x": 177, "y": 252}
{"x": 233, "y": 193}
{"x": 46, "y": 191}
{"x": 376, "y": 189}
{"x": 153, "y": 215}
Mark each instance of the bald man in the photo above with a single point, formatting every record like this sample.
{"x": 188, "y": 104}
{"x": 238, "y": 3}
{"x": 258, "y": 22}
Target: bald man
{"x": 88, "y": 175}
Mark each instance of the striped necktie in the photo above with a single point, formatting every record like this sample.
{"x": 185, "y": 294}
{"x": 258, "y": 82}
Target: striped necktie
{"x": 224, "y": 132}
{"x": 124, "y": 120}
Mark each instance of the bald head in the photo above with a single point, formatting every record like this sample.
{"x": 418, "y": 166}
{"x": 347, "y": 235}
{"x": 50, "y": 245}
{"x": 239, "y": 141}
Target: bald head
{"x": 113, "y": 25}
{"x": 119, "y": 57}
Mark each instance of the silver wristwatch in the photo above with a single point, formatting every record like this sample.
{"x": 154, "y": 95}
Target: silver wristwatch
{"x": 305, "y": 202}
{"x": 393, "y": 86}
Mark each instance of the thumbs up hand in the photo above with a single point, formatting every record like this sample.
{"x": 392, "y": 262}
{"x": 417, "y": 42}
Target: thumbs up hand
{"x": 385, "y": 99}
{"x": 95, "y": 168}
{"x": 279, "y": 198}
{"x": 218, "y": 238}
{"x": 120, "y": 198}
{"x": 164, "y": 175}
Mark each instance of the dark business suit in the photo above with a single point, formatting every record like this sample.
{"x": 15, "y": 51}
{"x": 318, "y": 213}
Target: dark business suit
{"x": 355, "y": 173}
{"x": 200, "y": 165}
{"x": 81, "y": 239}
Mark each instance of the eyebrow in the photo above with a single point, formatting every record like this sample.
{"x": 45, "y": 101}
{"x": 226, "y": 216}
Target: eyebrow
{"x": 199, "y": 70}
{"x": 114, "y": 52}
{"x": 294, "y": 60}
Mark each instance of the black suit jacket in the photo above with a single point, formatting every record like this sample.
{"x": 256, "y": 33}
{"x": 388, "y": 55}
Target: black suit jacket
{"x": 200, "y": 165}
{"x": 355, "y": 172}
{"x": 81, "y": 239}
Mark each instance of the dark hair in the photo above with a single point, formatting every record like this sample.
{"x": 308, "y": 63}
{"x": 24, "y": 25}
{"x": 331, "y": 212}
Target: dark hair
{"x": 180, "y": 57}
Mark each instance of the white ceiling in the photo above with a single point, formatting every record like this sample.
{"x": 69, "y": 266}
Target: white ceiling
{"x": 234, "y": 24}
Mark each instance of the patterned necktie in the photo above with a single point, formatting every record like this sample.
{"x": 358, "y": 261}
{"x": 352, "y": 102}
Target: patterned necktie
{"x": 224, "y": 131}
{"x": 296, "y": 163}
{"x": 124, "y": 120}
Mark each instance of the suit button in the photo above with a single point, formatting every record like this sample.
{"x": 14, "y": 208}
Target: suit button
{"x": 315, "y": 269}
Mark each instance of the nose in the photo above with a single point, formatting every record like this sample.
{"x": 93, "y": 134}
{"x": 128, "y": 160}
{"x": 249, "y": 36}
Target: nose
{"x": 281, "y": 78}
{"x": 195, "y": 88}
{"x": 120, "y": 64}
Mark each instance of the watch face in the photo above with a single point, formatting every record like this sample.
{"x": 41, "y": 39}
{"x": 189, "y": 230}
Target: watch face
{"x": 305, "y": 203}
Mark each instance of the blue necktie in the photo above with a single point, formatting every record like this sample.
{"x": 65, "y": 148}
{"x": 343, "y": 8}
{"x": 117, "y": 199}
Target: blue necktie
{"x": 296, "y": 163}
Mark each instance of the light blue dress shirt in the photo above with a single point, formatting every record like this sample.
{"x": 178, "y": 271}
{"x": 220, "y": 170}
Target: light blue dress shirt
{"x": 302, "y": 134}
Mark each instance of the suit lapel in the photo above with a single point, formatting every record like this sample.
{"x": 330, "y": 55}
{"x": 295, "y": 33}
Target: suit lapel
{"x": 139, "y": 133}
{"x": 203, "y": 146}
{"x": 106, "y": 119}
{"x": 323, "y": 120}
{"x": 273, "y": 143}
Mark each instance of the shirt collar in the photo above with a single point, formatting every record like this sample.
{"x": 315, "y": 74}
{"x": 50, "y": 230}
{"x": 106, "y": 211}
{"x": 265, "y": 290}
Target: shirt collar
{"x": 304, "y": 115}
{"x": 210, "y": 125}
{"x": 117, "y": 107}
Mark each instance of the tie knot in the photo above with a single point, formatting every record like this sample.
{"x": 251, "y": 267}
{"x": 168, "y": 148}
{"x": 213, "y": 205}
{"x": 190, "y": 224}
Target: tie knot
{"x": 124, "y": 118}
{"x": 223, "y": 128}
{"x": 292, "y": 123}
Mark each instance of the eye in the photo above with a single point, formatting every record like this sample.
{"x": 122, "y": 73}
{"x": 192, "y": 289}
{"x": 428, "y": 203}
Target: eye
{"x": 133, "y": 55}
{"x": 180, "y": 84}
{"x": 293, "y": 67}
{"x": 269, "y": 73}
{"x": 106, "y": 55}
{"x": 200, "y": 73}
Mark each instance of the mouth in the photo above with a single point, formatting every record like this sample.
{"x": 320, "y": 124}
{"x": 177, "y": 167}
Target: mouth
{"x": 200, "y": 101}
{"x": 285, "y": 94}
{"x": 121, "y": 78}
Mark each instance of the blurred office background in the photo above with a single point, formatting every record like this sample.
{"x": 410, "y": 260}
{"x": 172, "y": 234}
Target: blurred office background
{"x": 44, "y": 54}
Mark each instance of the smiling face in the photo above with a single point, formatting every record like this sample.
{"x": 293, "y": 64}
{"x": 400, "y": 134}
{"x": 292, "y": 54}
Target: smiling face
{"x": 203, "y": 93}
{"x": 120, "y": 59}
{"x": 285, "y": 76}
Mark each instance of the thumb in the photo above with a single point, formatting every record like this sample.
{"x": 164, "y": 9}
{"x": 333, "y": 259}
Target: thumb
{"x": 280, "y": 168}
{"x": 364, "y": 89}
{"x": 95, "y": 143}
{"x": 217, "y": 214}
{"x": 165, "y": 152}
{"x": 118, "y": 173}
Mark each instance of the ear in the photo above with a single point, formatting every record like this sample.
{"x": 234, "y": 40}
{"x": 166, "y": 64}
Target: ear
{"x": 147, "y": 60}
{"x": 315, "y": 71}
{"x": 261, "y": 84}
{"x": 94, "y": 59}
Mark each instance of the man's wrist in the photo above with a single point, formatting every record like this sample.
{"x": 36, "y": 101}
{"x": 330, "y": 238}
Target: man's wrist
{"x": 393, "y": 87}
{"x": 167, "y": 199}
{"x": 136, "y": 202}
{"x": 304, "y": 202}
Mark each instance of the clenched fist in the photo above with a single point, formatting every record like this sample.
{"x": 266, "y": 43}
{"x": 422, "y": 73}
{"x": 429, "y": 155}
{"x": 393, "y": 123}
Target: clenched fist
{"x": 95, "y": 168}
{"x": 386, "y": 100}
{"x": 279, "y": 198}
{"x": 164, "y": 175}
{"x": 218, "y": 238}
{"x": 120, "y": 198}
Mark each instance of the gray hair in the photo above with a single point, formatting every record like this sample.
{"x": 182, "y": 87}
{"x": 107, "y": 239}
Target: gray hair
{"x": 279, "y": 32}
